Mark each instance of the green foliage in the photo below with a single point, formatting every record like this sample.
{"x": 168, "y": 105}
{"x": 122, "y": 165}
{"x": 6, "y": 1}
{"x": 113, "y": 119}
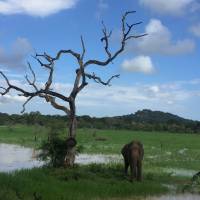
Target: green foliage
{"x": 53, "y": 150}
{"x": 145, "y": 120}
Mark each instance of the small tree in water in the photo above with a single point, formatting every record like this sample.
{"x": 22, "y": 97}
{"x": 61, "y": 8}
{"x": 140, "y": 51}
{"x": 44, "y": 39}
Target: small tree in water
{"x": 81, "y": 80}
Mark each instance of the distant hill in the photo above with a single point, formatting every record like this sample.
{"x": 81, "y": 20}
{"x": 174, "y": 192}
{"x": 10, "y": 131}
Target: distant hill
{"x": 149, "y": 116}
{"x": 143, "y": 120}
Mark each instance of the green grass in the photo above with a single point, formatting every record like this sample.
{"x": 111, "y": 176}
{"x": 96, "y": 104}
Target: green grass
{"x": 162, "y": 150}
{"x": 85, "y": 182}
{"x": 23, "y": 135}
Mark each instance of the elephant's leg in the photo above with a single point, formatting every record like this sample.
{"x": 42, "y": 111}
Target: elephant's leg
{"x": 135, "y": 170}
{"x": 126, "y": 165}
{"x": 139, "y": 170}
{"x": 132, "y": 171}
{"x": 133, "y": 167}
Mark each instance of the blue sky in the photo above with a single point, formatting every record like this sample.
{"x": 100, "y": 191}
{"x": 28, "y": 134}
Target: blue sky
{"x": 160, "y": 71}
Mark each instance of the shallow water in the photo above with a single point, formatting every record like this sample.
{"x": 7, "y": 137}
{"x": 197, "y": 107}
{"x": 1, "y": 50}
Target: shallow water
{"x": 180, "y": 172}
{"x": 15, "y": 157}
{"x": 177, "y": 197}
{"x": 97, "y": 158}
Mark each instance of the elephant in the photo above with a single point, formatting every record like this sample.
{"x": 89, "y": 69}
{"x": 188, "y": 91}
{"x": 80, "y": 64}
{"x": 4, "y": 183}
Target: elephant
{"x": 133, "y": 154}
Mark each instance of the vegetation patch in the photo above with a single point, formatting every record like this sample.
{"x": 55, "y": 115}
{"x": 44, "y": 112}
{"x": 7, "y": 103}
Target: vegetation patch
{"x": 162, "y": 151}
{"x": 81, "y": 182}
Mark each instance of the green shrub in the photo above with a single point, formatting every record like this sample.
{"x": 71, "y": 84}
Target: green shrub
{"x": 53, "y": 150}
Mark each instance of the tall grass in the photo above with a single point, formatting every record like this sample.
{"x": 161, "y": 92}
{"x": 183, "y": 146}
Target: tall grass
{"x": 80, "y": 183}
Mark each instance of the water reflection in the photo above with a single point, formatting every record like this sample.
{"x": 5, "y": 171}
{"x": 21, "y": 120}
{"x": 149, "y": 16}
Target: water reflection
{"x": 13, "y": 157}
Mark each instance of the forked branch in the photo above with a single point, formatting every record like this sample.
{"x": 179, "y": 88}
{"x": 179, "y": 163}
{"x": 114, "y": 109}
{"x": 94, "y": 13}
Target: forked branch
{"x": 97, "y": 79}
{"x": 126, "y": 35}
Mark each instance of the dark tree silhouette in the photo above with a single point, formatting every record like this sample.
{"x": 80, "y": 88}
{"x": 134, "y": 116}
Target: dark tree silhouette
{"x": 49, "y": 95}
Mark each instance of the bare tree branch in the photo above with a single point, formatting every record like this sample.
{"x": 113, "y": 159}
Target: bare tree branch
{"x": 24, "y": 105}
{"x": 76, "y": 55}
{"x": 125, "y": 37}
{"x": 105, "y": 38}
{"x": 83, "y": 47}
{"x": 33, "y": 82}
{"x": 4, "y": 76}
{"x": 97, "y": 79}
{"x": 3, "y": 88}
{"x": 7, "y": 90}
{"x": 136, "y": 36}
{"x": 40, "y": 62}
{"x": 53, "y": 102}
{"x": 49, "y": 66}
{"x": 31, "y": 94}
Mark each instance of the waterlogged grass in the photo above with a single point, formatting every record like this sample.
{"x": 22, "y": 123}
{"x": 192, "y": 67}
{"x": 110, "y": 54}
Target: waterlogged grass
{"x": 161, "y": 149}
{"x": 85, "y": 182}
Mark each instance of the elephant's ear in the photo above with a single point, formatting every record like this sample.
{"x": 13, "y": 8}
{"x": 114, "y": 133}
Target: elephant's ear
{"x": 124, "y": 149}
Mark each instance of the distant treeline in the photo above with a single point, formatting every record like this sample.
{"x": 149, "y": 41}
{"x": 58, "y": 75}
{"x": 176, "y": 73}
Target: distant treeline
{"x": 145, "y": 120}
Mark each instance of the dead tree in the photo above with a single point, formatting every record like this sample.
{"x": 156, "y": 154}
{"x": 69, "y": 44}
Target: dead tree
{"x": 49, "y": 95}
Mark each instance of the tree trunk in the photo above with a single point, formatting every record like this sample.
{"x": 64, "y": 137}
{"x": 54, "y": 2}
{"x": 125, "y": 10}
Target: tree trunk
{"x": 71, "y": 141}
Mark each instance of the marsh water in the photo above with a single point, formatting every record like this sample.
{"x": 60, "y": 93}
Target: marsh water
{"x": 15, "y": 157}
{"x": 176, "y": 197}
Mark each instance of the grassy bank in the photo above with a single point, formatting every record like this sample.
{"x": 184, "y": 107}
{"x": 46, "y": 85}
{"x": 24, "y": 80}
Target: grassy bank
{"x": 80, "y": 183}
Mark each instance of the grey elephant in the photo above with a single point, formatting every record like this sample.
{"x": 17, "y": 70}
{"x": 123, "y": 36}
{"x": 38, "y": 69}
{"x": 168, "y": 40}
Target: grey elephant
{"x": 133, "y": 154}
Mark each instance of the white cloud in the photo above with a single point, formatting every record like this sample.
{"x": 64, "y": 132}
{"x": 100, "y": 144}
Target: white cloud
{"x": 11, "y": 98}
{"x": 159, "y": 40}
{"x": 142, "y": 64}
{"x": 195, "y": 29}
{"x": 154, "y": 88}
{"x": 161, "y": 95}
{"x": 40, "y": 8}
{"x": 102, "y": 6}
{"x": 97, "y": 100}
{"x": 18, "y": 52}
{"x": 173, "y": 7}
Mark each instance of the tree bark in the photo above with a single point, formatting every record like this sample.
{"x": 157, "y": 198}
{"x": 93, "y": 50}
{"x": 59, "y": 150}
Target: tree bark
{"x": 71, "y": 141}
